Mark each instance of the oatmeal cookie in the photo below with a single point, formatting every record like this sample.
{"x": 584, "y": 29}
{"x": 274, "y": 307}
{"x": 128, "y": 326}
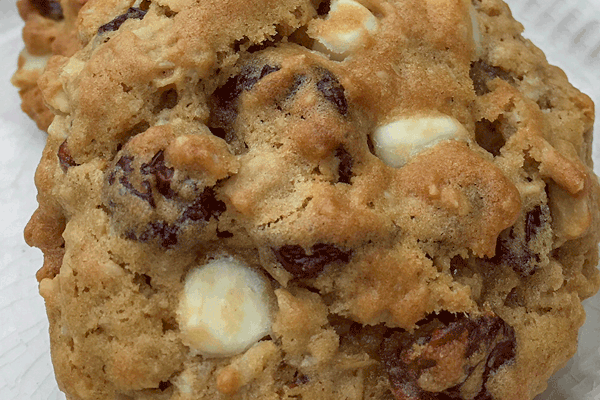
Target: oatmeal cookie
{"x": 345, "y": 199}
{"x": 49, "y": 29}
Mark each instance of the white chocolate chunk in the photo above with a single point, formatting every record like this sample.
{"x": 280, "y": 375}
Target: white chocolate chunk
{"x": 224, "y": 308}
{"x": 397, "y": 142}
{"x": 345, "y": 29}
{"x": 33, "y": 63}
{"x": 475, "y": 29}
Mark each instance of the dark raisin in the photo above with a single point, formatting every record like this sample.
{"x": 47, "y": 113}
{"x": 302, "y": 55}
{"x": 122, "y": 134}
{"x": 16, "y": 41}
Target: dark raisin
{"x": 65, "y": 158}
{"x": 514, "y": 254}
{"x": 533, "y": 222}
{"x": 324, "y": 7}
{"x": 124, "y": 165}
{"x": 295, "y": 260}
{"x": 145, "y": 195}
{"x": 489, "y": 136}
{"x": 223, "y": 105}
{"x": 481, "y": 73}
{"x": 345, "y": 166}
{"x": 298, "y": 82}
{"x": 49, "y": 9}
{"x": 299, "y": 380}
{"x": 116, "y": 23}
{"x": 161, "y": 172}
{"x": 512, "y": 247}
{"x": 164, "y": 385}
{"x": 163, "y": 231}
{"x": 224, "y": 234}
{"x": 503, "y": 353}
{"x": 486, "y": 338}
{"x": 333, "y": 91}
{"x": 204, "y": 207}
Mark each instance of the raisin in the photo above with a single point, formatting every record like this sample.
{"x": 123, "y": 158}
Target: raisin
{"x": 324, "y": 7}
{"x": 161, "y": 172}
{"x": 486, "y": 338}
{"x": 168, "y": 213}
{"x": 295, "y": 260}
{"x": 481, "y": 73}
{"x": 489, "y": 136}
{"x": 224, "y": 100}
{"x": 513, "y": 248}
{"x": 224, "y": 234}
{"x": 160, "y": 230}
{"x": 204, "y": 207}
{"x": 345, "y": 166}
{"x": 514, "y": 254}
{"x": 299, "y": 380}
{"x": 533, "y": 222}
{"x": 116, "y": 23}
{"x": 124, "y": 165}
{"x": 49, "y": 8}
{"x": 65, "y": 158}
{"x": 333, "y": 91}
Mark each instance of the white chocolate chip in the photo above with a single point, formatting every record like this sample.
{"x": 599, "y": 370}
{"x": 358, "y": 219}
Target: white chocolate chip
{"x": 475, "y": 30}
{"x": 224, "y": 308}
{"x": 33, "y": 63}
{"x": 345, "y": 29}
{"x": 397, "y": 142}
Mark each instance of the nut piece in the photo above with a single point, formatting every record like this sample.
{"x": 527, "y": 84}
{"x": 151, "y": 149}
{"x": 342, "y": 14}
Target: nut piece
{"x": 224, "y": 308}
{"x": 347, "y": 26}
{"x": 397, "y": 142}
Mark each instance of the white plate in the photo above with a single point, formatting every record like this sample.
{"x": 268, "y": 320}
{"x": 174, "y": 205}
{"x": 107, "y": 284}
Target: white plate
{"x": 569, "y": 33}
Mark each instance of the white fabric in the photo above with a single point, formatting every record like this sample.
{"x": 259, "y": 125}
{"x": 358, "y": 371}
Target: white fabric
{"x": 567, "y": 30}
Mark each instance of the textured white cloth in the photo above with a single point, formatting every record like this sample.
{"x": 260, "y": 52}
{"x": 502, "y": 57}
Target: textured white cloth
{"x": 567, "y": 30}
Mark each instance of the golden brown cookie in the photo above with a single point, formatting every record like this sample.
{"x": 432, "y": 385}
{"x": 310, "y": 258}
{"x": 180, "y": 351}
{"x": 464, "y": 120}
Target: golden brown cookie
{"x": 49, "y": 29}
{"x": 355, "y": 199}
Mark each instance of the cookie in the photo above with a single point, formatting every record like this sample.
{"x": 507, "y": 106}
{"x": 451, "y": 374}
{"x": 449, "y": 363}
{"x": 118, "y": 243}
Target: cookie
{"x": 49, "y": 29}
{"x": 311, "y": 199}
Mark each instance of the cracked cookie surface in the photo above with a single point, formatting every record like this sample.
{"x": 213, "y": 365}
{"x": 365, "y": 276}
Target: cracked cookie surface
{"x": 312, "y": 199}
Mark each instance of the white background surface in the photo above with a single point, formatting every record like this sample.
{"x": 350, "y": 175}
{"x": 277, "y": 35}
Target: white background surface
{"x": 567, "y": 31}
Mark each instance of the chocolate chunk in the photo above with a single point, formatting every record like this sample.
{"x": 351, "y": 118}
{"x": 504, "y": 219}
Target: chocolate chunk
{"x": 489, "y": 136}
{"x": 49, "y": 8}
{"x": 295, "y": 260}
{"x": 116, "y": 23}
{"x": 64, "y": 157}
{"x": 345, "y": 166}
{"x": 333, "y": 91}
{"x": 161, "y": 172}
{"x": 472, "y": 340}
{"x": 481, "y": 73}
